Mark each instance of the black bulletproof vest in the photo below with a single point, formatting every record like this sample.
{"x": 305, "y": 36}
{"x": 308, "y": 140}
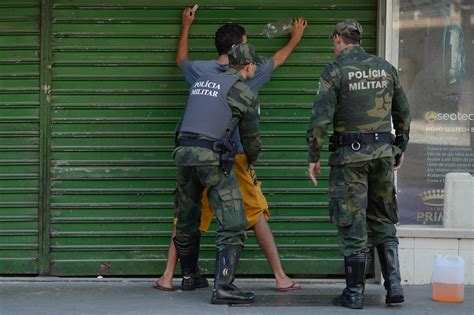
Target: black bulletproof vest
{"x": 207, "y": 112}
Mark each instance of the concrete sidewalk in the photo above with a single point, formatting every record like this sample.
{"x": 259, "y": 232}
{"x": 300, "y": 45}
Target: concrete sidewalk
{"x": 90, "y": 296}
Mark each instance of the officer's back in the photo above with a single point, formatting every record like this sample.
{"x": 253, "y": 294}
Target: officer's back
{"x": 218, "y": 103}
{"x": 361, "y": 95}
{"x": 365, "y": 92}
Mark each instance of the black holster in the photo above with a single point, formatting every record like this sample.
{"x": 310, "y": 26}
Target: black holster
{"x": 227, "y": 151}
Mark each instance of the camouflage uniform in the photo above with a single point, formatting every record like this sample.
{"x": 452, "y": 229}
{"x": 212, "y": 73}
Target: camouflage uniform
{"x": 198, "y": 168}
{"x": 360, "y": 95}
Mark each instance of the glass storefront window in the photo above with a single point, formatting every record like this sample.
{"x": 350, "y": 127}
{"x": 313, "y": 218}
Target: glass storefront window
{"x": 432, "y": 45}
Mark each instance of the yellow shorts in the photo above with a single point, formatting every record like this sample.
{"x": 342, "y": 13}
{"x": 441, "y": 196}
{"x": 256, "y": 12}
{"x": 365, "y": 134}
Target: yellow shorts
{"x": 255, "y": 203}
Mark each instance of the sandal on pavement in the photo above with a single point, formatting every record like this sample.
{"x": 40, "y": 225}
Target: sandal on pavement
{"x": 294, "y": 286}
{"x": 158, "y": 286}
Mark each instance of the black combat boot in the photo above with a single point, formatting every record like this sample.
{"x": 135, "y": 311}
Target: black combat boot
{"x": 201, "y": 281}
{"x": 225, "y": 292}
{"x": 188, "y": 253}
{"x": 353, "y": 294}
{"x": 388, "y": 255}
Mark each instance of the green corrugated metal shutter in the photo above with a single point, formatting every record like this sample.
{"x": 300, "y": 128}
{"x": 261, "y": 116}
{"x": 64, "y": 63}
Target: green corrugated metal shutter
{"x": 116, "y": 96}
{"x": 19, "y": 135}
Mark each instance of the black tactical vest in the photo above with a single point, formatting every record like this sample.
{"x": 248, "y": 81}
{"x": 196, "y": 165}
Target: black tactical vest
{"x": 207, "y": 112}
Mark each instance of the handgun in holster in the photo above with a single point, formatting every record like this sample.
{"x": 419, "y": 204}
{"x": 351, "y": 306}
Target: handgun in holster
{"x": 333, "y": 143}
{"x": 227, "y": 151}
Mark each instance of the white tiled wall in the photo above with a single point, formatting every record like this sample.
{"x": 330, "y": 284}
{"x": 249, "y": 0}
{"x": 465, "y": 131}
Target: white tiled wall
{"x": 406, "y": 252}
{"x": 417, "y": 256}
{"x": 466, "y": 251}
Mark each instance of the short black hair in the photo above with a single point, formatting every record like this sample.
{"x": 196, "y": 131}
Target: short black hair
{"x": 228, "y": 35}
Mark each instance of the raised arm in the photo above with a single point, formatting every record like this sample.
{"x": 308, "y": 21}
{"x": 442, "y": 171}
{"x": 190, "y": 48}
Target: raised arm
{"x": 280, "y": 56}
{"x": 187, "y": 18}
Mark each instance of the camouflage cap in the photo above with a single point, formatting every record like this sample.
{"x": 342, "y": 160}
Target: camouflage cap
{"x": 348, "y": 28}
{"x": 242, "y": 54}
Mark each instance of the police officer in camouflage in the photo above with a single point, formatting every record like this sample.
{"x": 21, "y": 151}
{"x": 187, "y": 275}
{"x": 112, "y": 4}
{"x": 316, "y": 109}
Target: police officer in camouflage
{"x": 217, "y": 105}
{"x": 361, "y": 96}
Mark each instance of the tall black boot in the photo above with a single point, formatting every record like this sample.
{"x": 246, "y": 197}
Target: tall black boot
{"x": 201, "y": 281}
{"x": 224, "y": 292}
{"x": 353, "y": 294}
{"x": 388, "y": 255}
{"x": 188, "y": 253}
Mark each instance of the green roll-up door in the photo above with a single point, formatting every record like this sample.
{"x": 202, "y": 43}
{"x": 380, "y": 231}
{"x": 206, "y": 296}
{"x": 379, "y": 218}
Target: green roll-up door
{"x": 19, "y": 135}
{"x": 116, "y": 97}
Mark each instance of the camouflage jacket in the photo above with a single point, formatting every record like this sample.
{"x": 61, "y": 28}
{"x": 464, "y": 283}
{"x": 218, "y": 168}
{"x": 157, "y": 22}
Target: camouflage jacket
{"x": 358, "y": 92}
{"x": 244, "y": 106}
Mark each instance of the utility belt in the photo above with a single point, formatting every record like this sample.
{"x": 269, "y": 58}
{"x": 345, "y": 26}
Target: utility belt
{"x": 357, "y": 139}
{"x": 194, "y": 142}
{"x": 226, "y": 148}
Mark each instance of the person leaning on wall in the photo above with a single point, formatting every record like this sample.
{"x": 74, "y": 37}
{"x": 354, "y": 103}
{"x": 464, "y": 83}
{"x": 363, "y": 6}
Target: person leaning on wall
{"x": 255, "y": 204}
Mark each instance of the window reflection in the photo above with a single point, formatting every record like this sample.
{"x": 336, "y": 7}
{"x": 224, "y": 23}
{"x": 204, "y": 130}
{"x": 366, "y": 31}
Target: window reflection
{"x": 435, "y": 49}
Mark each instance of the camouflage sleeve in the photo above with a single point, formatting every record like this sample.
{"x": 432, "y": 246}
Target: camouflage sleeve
{"x": 244, "y": 106}
{"x": 322, "y": 113}
{"x": 400, "y": 112}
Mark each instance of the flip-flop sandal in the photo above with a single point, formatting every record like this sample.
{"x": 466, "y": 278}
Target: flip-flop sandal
{"x": 162, "y": 288}
{"x": 294, "y": 286}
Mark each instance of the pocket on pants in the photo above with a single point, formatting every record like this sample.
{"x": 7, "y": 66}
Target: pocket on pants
{"x": 231, "y": 213}
{"x": 338, "y": 207}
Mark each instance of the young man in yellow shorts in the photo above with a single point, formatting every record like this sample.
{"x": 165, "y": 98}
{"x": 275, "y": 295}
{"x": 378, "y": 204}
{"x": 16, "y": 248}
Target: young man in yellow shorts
{"x": 255, "y": 204}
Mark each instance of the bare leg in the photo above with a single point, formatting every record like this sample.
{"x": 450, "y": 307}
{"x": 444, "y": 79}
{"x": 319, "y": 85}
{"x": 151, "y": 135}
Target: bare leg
{"x": 265, "y": 240}
{"x": 166, "y": 280}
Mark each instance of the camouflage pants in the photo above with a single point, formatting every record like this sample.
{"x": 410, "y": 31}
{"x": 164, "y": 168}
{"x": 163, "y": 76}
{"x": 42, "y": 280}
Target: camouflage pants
{"x": 224, "y": 196}
{"x": 362, "y": 197}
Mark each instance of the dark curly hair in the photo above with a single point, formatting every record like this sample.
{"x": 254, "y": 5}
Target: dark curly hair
{"x": 227, "y": 35}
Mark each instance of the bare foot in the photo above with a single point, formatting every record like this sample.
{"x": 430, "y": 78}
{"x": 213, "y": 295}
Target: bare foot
{"x": 286, "y": 284}
{"x": 164, "y": 283}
